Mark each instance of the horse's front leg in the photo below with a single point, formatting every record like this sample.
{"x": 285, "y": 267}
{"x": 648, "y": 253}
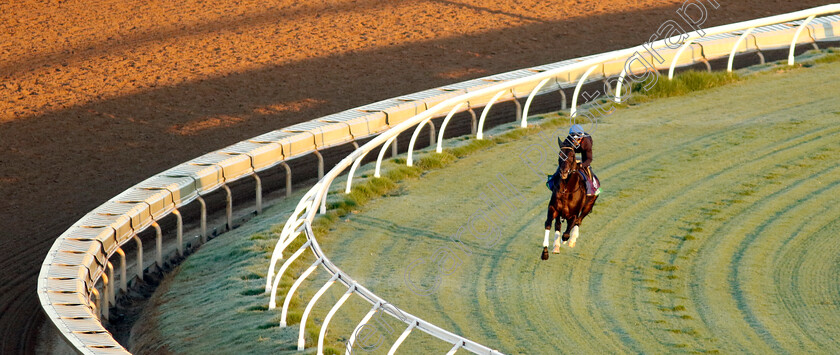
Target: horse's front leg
{"x": 552, "y": 214}
{"x": 574, "y": 231}
{"x": 558, "y": 223}
{"x": 570, "y": 222}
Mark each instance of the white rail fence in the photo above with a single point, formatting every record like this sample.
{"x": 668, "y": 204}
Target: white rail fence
{"x": 77, "y": 283}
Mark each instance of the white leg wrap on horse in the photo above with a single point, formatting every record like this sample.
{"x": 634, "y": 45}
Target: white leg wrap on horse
{"x": 545, "y": 241}
{"x": 574, "y": 236}
{"x": 556, "y": 242}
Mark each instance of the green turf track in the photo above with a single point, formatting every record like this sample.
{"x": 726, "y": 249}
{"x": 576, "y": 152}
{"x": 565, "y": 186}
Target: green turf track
{"x": 717, "y": 231}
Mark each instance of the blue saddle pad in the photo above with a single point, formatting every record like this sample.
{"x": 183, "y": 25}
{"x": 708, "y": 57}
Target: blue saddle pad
{"x": 550, "y": 182}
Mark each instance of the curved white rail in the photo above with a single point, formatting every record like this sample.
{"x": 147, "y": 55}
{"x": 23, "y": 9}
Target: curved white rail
{"x": 451, "y": 113}
{"x": 383, "y": 140}
{"x": 302, "y": 328}
{"x": 272, "y": 303}
{"x": 322, "y": 334}
{"x": 528, "y": 102}
{"x": 735, "y": 49}
{"x": 582, "y": 79}
{"x": 79, "y": 260}
{"x": 485, "y": 111}
{"x": 802, "y": 26}
{"x": 682, "y": 49}
{"x": 294, "y": 288}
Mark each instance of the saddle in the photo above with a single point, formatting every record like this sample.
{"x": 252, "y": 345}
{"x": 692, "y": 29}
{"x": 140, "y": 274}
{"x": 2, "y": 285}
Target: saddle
{"x": 592, "y": 187}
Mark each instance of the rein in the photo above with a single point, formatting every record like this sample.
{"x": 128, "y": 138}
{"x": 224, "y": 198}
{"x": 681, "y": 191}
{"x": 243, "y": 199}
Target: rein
{"x": 566, "y": 192}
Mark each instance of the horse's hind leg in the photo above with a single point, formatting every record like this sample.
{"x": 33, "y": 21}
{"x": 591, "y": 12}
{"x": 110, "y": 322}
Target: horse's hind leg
{"x": 576, "y": 228}
{"x": 587, "y": 208}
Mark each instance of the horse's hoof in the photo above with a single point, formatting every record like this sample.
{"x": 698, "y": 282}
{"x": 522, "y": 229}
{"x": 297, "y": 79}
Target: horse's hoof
{"x": 572, "y": 243}
{"x": 556, "y": 249}
{"x": 545, "y": 253}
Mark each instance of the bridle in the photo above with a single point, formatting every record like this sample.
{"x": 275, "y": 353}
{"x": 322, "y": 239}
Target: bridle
{"x": 564, "y": 192}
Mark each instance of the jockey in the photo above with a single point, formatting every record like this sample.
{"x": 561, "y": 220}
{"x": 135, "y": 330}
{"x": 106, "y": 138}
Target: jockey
{"x": 582, "y": 143}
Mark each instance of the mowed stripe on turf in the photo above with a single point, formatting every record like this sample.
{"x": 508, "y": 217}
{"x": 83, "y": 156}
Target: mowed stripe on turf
{"x": 634, "y": 282}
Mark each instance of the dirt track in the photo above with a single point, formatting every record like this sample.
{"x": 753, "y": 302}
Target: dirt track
{"x": 95, "y": 99}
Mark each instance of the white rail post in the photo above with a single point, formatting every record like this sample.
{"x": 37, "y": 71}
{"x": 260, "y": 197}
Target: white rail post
{"x": 480, "y": 134}
{"x": 813, "y": 39}
{"x": 288, "y": 178}
{"x": 352, "y": 171}
{"x": 112, "y": 297}
{"x": 301, "y": 340}
{"x": 203, "y": 219}
{"x": 323, "y": 333}
{"x": 365, "y": 319}
{"x": 620, "y": 83}
{"x": 705, "y": 61}
{"x": 98, "y": 303}
{"x": 286, "y": 237}
{"x": 295, "y": 230}
{"x": 258, "y": 192}
{"x": 382, "y": 154}
{"x": 528, "y": 101}
{"x": 409, "y": 159}
{"x": 106, "y": 284}
{"x": 320, "y": 163}
{"x": 228, "y": 206}
{"x": 562, "y": 94}
{"x": 473, "y": 122}
{"x": 272, "y": 303}
{"x": 455, "y": 348}
{"x": 158, "y": 245}
{"x": 445, "y": 122}
{"x": 758, "y": 50}
{"x": 302, "y": 205}
{"x": 735, "y": 49}
{"x": 123, "y": 271}
{"x": 402, "y": 337}
{"x": 179, "y": 231}
{"x": 323, "y": 209}
{"x": 518, "y": 106}
{"x": 431, "y": 133}
{"x": 139, "y": 256}
{"x": 796, "y": 37}
{"x": 577, "y": 89}
{"x": 677, "y": 57}
{"x": 292, "y": 290}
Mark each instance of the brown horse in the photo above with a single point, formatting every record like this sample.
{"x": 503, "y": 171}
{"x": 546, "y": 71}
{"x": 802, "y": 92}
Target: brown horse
{"x": 568, "y": 201}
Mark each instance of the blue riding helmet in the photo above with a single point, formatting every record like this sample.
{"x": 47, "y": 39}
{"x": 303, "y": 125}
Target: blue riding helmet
{"x": 576, "y": 131}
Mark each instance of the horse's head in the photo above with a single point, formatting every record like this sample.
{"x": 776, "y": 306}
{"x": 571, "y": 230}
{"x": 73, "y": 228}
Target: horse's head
{"x": 567, "y": 161}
